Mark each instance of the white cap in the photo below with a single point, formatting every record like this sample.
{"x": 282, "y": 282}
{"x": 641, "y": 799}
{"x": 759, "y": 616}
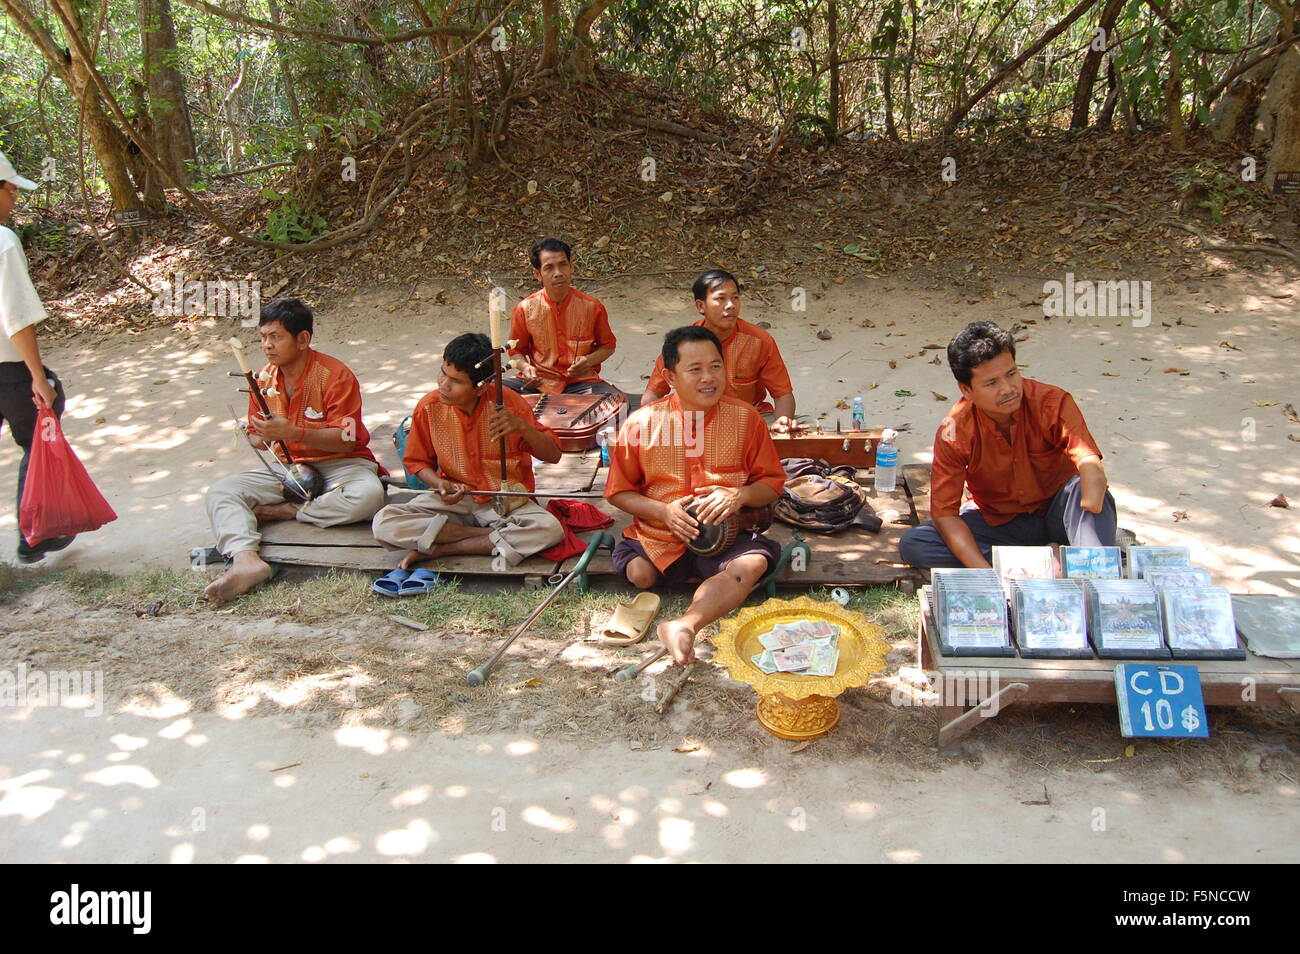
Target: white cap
{"x": 9, "y": 174}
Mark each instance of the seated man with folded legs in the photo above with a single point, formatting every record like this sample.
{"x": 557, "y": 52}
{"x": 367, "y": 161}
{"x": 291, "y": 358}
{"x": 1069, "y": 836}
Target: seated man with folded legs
{"x": 695, "y": 444}
{"x": 1025, "y": 453}
{"x": 754, "y": 366}
{"x": 315, "y": 404}
{"x": 455, "y": 447}
{"x": 561, "y": 334}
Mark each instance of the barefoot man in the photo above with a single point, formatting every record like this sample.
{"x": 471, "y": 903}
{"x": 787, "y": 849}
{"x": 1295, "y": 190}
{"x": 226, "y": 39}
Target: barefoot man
{"x": 454, "y": 446}
{"x": 317, "y": 413}
{"x": 754, "y": 364}
{"x": 695, "y": 443}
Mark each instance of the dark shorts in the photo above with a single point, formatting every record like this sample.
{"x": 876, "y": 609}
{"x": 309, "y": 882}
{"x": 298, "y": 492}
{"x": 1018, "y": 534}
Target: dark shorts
{"x": 689, "y": 566}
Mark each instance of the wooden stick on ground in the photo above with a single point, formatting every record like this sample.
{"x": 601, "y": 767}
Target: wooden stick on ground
{"x": 673, "y": 689}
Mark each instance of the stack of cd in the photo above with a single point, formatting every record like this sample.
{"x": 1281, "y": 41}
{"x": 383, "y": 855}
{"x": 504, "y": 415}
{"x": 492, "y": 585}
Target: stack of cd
{"x": 1050, "y": 619}
{"x": 1124, "y": 619}
{"x": 1142, "y": 559}
{"x": 1023, "y": 563}
{"x": 1183, "y": 576}
{"x": 970, "y": 611}
{"x": 1091, "y": 563}
{"x": 1199, "y": 622}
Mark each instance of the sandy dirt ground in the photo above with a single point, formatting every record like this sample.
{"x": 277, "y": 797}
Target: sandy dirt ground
{"x": 167, "y": 778}
{"x": 159, "y": 788}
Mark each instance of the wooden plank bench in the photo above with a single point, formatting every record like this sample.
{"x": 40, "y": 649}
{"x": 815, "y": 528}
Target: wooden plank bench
{"x": 850, "y": 558}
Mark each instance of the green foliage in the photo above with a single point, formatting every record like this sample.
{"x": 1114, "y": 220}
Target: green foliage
{"x": 1209, "y": 187}
{"x": 291, "y": 221}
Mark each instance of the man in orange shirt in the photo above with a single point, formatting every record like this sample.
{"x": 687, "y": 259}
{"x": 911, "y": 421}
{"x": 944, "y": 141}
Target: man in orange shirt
{"x": 455, "y": 445}
{"x": 754, "y": 366}
{"x": 696, "y": 444}
{"x": 561, "y": 334}
{"x": 317, "y": 413}
{"x": 1025, "y": 453}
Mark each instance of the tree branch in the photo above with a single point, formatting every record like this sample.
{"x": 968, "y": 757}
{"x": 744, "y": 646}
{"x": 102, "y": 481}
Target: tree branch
{"x": 337, "y": 38}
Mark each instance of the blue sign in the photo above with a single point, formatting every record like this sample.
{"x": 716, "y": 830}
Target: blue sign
{"x": 1160, "y": 701}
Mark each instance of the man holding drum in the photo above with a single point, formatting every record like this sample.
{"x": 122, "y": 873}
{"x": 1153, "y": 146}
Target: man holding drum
{"x": 694, "y": 450}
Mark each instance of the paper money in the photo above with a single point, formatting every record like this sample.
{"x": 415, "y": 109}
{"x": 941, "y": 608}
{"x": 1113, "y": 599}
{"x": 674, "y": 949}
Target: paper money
{"x": 764, "y": 661}
{"x": 776, "y": 640}
{"x": 792, "y": 659}
{"x": 823, "y": 661}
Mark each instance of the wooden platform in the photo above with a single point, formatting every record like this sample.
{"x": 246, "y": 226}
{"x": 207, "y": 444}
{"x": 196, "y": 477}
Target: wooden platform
{"x": 853, "y": 557}
{"x": 972, "y": 681}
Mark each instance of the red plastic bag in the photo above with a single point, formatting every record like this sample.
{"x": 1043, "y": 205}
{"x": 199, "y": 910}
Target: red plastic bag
{"x": 59, "y": 498}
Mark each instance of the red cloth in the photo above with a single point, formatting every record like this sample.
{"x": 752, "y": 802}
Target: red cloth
{"x": 574, "y": 515}
{"x": 59, "y": 498}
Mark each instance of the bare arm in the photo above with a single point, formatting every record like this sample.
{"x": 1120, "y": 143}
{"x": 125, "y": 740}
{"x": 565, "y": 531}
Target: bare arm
{"x": 27, "y": 346}
{"x": 1092, "y": 484}
{"x": 956, "y": 534}
{"x": 784, "y": 406}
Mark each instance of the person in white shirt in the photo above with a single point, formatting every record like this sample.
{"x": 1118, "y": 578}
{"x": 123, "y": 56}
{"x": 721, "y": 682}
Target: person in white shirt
{"x": 25, "y": 383}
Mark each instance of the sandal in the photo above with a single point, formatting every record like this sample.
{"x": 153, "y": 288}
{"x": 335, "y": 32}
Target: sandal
{"x": 631, "y": 621}
{"x": 420, "y": 581}
{"x": 390, "y": 584}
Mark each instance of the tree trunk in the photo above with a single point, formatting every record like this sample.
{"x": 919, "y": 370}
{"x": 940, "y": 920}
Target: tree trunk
{"x": 581, "y": 64}
{"x": 1091, "y": 64}
{"x": 169, "y": 113}
{"x": 550, "y": 35}
{"x": 1174, "y": 99}
{"x": 286, "y": 75}
{"x": 1283, "y": 116}
{"x": 106, "y": 139}
{"x": 833, "y": 43}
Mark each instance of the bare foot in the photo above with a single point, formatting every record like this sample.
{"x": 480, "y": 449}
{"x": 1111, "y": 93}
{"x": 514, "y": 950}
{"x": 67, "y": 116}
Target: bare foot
{"x": 679, "y": 639}
{"x": 275, "y": 511}
{"x": 415, "y": 556}
{"x": 246, "y": 572}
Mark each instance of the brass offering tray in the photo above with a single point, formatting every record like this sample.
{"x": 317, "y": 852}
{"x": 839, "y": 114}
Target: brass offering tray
{"x": 791, "y": 705}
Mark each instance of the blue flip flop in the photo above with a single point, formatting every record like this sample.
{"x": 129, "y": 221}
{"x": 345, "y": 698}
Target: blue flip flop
{"x": 390, "y": 584}
{"x": 421, "y": 581}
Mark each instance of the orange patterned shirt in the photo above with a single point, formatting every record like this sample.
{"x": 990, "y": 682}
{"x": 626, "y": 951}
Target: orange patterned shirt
{"x": 659, "y": 454}
{"x": 1048, "y": 439}
{"x": 457, "y": 446}
{"x": 754, "y": 367}
{"x": 552, "y": 335}
{"x": 327, "y": 395}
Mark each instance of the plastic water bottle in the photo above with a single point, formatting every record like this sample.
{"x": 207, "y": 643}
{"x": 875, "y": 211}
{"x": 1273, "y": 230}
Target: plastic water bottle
{"x": 859, "y": 414}
{"x": 605, "y": 436}
{"x": 887, "y": 462}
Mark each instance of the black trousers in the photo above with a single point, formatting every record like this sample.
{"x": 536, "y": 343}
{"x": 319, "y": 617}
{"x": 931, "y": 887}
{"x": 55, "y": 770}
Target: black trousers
{"x": 18, "y": 411}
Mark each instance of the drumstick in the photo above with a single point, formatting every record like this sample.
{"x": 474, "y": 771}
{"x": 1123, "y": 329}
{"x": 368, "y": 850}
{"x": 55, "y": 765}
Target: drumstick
{"x": 631, "y": 672}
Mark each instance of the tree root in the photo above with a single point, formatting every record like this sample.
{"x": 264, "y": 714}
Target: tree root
{"x": 1208, "y": 244}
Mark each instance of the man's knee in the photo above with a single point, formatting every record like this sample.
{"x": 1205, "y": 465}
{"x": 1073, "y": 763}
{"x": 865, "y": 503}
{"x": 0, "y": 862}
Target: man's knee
{"x": 641, "y": 573}
{"x": 548, "y": 523}
{"x": 366, "y": 496}
{"x": 748, "y": 569}
{"x": 910, "y": 546}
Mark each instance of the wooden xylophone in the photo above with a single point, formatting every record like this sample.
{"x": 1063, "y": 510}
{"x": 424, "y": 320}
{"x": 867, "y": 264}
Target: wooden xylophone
{"x": 577, "y": 418}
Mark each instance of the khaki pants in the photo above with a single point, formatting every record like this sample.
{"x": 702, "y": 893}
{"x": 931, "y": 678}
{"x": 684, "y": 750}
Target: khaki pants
{"x": 526, "y": 530}
{"x": 352, "y": 492}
